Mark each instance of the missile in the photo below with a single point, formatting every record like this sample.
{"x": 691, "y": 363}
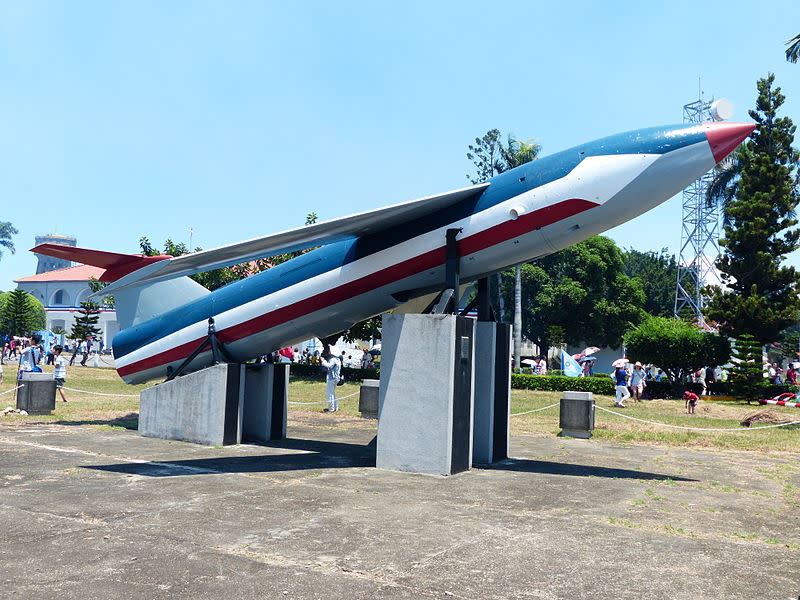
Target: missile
{"x": 391, "y": 257}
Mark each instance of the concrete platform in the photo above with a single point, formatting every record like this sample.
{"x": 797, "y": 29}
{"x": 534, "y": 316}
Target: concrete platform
{"x": 98, "y": 513}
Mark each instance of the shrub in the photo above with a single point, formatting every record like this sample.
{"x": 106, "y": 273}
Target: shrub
{"x": 560, "y": 383}
{"x": 677, "y": 347}
{"x": 300, "y": 371}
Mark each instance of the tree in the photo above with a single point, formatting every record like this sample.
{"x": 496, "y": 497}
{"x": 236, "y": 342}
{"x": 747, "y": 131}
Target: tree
{"x": 747, "y": 374}
{"x": 20, "y": 313}
{"x": 96, "y": 286}
{"x": 6, "y": 231}
{"x": 657, "y": 273}
{"x": 490, "y": 158}
{"x": 677, "y": 347}
{"x": 578, "y": 295}
{"x": 793, "y": 49}
{"x": 86, "y": 322}
{"x": 759, "y": 296}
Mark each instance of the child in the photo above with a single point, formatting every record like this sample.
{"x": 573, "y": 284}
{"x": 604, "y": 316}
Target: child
{"x": 691, "y": 401}
{"x": 60, "y": 373}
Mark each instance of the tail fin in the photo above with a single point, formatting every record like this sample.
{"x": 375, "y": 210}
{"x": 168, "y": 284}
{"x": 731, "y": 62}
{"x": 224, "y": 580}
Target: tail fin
{"x": 136, "y": 303}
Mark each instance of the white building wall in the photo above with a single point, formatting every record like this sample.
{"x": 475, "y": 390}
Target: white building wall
{"x": 63, "y": 314}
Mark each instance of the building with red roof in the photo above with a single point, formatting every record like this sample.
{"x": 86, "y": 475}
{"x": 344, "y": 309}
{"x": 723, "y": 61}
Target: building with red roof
{"x": 61, "y": 291}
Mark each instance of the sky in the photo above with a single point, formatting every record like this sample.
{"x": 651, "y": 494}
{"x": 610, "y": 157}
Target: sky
{"x": 236, "y": 119}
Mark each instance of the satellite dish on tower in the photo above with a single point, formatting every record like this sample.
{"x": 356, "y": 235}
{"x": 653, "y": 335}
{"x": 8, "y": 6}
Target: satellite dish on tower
{"x": 721, "y": 110}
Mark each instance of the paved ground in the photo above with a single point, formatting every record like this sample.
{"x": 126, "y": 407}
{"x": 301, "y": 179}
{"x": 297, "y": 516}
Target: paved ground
{"x": 98, "y": 513}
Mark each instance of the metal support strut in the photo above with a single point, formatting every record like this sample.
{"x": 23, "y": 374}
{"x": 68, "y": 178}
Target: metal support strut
{"x": 218, "y": 352}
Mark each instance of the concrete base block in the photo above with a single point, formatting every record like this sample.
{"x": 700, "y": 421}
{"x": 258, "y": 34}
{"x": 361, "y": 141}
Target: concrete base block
{"x": 204, "y": 407}
{"x": 266, "y": 392}
{"x": 368, "y": 398}
{"x": 576, "y": 415}
{"x": 492, "y": 392}
{"x": 426, "y": 394}
{"x": 38, "y": 394}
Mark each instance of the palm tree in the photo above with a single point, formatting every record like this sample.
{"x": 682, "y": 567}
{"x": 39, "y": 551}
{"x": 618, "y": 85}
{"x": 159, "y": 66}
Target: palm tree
{"x": 725, "y": 184}
{"x": 6, "y": 231}
{"x": 793, "y": 49}
{"x": 519, "y": 152}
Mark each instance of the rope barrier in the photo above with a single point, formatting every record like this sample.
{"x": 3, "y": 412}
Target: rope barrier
{"x": 534, "y": 410}
{"x": 733, "y": 429}
{"x": 12, "y": 389}
{"x": 102, "y": 393}
{"x": 325, "y": 401}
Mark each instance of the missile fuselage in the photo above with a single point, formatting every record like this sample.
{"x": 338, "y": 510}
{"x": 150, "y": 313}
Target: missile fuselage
{"x": 525, "y": 213}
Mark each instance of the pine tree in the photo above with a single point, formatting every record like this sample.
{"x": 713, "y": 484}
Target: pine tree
{"x": 85, "y": 324}
{"x": 21, "y": 314}
{"x": 747, "y": 374}
{"x": 760, "y": 297}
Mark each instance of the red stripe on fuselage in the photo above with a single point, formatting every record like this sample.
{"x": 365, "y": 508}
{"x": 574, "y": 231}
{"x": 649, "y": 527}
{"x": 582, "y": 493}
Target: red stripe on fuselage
{"x": 433, "y": 258}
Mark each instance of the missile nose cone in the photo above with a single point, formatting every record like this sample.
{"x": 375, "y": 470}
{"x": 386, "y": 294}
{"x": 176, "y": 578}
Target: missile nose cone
{"x": 725, "y": 137}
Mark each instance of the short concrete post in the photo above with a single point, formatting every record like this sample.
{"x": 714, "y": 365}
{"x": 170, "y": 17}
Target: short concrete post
{"x": 576, "y": 417}
{"x": 38, "y": 396}
{"x": 368, "y": 398}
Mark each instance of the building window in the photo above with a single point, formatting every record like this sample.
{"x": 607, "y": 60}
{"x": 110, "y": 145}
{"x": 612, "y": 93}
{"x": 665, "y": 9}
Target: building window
{"x": 57, "y": 324}
{"x": 60, "y": 298}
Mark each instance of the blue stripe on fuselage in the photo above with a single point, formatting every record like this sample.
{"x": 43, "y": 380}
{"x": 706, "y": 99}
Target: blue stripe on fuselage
{"x": 656, "y": 140}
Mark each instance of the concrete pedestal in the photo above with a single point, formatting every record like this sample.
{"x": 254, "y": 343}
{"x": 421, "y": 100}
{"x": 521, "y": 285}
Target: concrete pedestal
{"x": 368, "y": 398}
{"x": 220, "y": 405}
{"x": 266, "y": 392}
{"x": 38, "y": 394}
{"x": 426, "y": 394}
{"x": 576, "y": 415}
{"x": 492, "y": 392}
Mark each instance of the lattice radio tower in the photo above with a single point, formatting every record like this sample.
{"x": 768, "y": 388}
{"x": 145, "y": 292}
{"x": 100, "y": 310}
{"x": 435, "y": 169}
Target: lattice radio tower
{"x": 700, "y": 226}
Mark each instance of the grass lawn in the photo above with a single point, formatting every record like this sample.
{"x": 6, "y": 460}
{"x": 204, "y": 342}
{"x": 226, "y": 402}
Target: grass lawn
{"x": 120, "y": 408}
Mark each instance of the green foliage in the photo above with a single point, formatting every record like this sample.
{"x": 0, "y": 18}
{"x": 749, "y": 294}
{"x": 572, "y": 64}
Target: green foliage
{"x": 676, "y": 347}
{"x": 20, "y": 313}
{"x": 96, "y": 286}
{"x": 579, "y": 294}
{"x": 747, "y": 374}
{"x": 760, "y": 297}
{"x": 299, "y": 371}
{"x": 6, "y": 231}
{"x": 657, "y": 273}
{"x": 86, "y": 322}
{"x": 560, "y": 383}
{"x": 793, "y": 49}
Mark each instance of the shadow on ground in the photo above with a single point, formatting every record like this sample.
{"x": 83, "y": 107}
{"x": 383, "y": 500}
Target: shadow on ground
{"x": 316, "y": 454}
{"x": 307, "y": 454}
{"x": 525, "y": 465}
{"x": 129, "y": 421}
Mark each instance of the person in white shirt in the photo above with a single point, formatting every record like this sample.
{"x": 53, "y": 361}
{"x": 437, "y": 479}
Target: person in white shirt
{"x": 29, "y": 357}
{"x": 60, "y": 374}
{"x": 330, "y": 360}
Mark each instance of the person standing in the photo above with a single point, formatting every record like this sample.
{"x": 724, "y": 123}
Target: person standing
{"x": 621, "y": 386}
{"x": 60, "y": 373}
{"x": 791, "y": 374}
{"x": 86, "y": 347}
{"x": 637, "y": 381}
{"x": 28, "y": 359}
{"x": 330, "y": 360}
{"x": 542, "y": 366}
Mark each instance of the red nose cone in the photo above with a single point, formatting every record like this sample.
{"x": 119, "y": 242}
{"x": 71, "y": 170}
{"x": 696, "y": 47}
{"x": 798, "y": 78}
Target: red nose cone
{"x": 724, "y": 137}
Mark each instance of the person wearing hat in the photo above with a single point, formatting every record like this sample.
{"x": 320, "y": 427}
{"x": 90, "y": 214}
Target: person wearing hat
{"x": 638, "y": 377}
{"x": 332, "y": 364}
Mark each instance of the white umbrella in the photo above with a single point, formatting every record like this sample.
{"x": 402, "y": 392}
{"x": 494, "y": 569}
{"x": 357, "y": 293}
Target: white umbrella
{"x": 590, "y": 350}
{"x": 528, "y": 361}
{"x": 620, "y": 362}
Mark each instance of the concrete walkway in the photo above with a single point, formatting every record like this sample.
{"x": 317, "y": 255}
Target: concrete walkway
{"x": 87, "y": 512}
